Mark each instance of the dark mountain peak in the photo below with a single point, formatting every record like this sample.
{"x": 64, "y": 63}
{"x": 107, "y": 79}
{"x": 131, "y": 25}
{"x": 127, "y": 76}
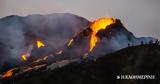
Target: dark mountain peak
{"x": 113, "y": 29}
{"x": 114, "y": 37}
{"x": 11, "y": 17}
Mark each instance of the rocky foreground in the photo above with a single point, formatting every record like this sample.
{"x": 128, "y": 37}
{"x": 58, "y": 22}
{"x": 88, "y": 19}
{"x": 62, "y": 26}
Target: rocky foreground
{"x": 143, "y": 59}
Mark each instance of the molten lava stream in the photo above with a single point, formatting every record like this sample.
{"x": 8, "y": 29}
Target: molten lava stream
{"x": 8, "y": 74}
{"x": 97, "y": 25}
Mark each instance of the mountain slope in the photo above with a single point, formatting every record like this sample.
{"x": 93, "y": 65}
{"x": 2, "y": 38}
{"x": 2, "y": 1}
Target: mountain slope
{"x": 66, "y": 34}
{"x": 114, "y": 37}
{"x": 143, "y": 59}
{"x": 18, "y": 33}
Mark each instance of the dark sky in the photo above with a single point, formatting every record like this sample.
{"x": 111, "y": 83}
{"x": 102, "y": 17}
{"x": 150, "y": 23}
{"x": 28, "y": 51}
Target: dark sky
{"x": 142, "y": 17}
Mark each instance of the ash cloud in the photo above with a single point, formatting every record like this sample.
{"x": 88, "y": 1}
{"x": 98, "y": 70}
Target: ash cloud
{"x": 55, "y": 30}
{"x": 17, "y": 33}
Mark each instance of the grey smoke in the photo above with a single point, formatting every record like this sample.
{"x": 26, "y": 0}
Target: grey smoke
{"x": 18, "y": 33}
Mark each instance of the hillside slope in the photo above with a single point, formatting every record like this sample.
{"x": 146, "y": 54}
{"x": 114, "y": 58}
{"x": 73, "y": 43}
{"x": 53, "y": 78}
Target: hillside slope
{"x": 143, "y": 59}
{"x": 18, "y": 33}
{"x": 65, "y": 32}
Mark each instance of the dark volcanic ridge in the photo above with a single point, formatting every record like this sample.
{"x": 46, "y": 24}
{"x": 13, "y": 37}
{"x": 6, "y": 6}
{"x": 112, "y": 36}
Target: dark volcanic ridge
{"x": 142, "y": 59}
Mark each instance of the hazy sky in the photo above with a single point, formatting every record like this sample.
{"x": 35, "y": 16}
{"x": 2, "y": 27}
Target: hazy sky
{"x": 142, "y": 17}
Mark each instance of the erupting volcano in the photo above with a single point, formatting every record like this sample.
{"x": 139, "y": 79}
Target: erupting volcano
{"x": 97, "y": 25}
{"x": 60, "y": 45}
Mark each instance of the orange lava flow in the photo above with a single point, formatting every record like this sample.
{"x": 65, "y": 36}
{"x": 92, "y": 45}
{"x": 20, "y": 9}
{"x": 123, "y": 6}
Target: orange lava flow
{"x": 97, "y": 25}
{"x": 8, "y": 74}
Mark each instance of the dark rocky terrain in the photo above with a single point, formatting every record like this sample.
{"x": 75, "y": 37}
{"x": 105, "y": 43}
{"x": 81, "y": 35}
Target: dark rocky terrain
{"x": 55, "y": 30}
{"x": 142, "y": 59}
{"x": 18, "y": 35}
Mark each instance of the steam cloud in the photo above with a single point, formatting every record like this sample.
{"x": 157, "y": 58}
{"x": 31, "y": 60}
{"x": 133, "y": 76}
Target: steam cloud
{"x": 18, "y": 33}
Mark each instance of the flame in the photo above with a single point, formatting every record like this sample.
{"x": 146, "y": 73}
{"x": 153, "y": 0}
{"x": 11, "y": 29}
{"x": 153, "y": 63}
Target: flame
{"x": 24, "y": 57}
{"x": 97, "y": 25}
{"x": 8, "y": 74}
{"x": 40, "y": 44}
{"x": 59, "y": 52}
{"x": 70, "y": 42}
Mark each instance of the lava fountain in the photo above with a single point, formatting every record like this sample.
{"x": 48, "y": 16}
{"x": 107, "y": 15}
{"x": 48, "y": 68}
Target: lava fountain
{"x": 97, "y": 25}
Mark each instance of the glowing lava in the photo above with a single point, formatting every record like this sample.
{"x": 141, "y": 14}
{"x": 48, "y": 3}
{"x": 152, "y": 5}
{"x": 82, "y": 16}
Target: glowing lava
{"x": 8, "y": 74}
{"x": 97, "y": 25}
{"x": 24, "y": 57}
{"x": 40, "y": 44}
